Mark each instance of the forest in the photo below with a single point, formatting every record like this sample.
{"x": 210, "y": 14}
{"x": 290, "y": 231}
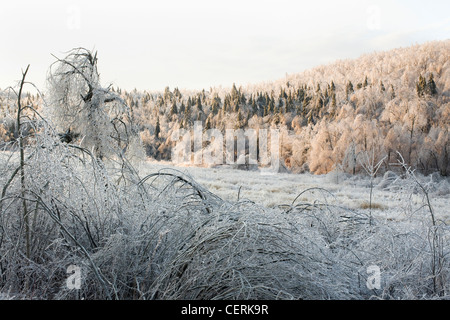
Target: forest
{"x": 328, "y": 117}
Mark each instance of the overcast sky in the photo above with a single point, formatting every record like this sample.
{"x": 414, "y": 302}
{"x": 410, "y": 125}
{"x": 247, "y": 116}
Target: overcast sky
{"x": 196, "y": 44}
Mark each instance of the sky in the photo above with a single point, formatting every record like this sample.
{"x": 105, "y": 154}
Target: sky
{"x": 196, "y": 44}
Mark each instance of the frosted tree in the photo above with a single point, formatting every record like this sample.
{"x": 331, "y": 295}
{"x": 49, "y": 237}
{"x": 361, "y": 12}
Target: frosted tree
{"x": 322, "y": 158}
{"x": 435, "y": 152}
{"x": 414, "y": 121}
{"x": 80, "y": 104}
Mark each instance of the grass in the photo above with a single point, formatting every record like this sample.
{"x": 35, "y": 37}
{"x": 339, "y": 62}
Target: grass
{"x": 164, "y": 236}
{"x": 373, "y": 205}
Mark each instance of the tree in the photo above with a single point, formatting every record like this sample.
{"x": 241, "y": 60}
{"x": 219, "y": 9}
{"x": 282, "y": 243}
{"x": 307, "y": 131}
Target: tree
{"x": 392, "y": 92}
{"x": 78, "y": 102}
{"x": 421, "y": 86}
{"x": 215, "y": 104}
{"x": 332, "y": 87}
{"x": 187, "y": 115}
{"x": 239, "y": 120}
{"x": 348, "y": 89}
{"x": 199, "y": 104}
{"x": 431, "y": 86}
{"x": 173, "y": 109}
{"x": 157, "y": 128}
{"x": 208, "y": 123}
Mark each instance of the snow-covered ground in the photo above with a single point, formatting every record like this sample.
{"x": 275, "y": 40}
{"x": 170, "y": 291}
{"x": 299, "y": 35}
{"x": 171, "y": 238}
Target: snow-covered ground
{"x": 392, "y": 197}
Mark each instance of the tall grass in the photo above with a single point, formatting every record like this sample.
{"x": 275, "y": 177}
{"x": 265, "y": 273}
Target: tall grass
{"x": 163, "y": 236}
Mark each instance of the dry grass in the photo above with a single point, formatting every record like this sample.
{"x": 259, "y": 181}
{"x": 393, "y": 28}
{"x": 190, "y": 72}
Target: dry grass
{"x": 163, "y": 236}
{"x": 373, "y": 205}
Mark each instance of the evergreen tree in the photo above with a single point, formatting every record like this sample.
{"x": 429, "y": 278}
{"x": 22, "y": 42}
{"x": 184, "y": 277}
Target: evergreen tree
{"x": 332, "y": 87}
{"x": 182, "y": 107}
{"x": 234, "y": 94}
{"x": 208, "y": 123}
{"x": 226, "y": 104}
{"x": 349, "y": 89}
{"x": 421, "y": 86}
{"x": 392, "y": 92}
{"x": 333, "y": 100}
{"x": 174, "y": 109}
{"x": 280, "y": 104}
{"x": 366, "y": 82}
{"x": 199, "y": 104}
{"x": 167, "y": 95}
{"x": 157, "y": 128}
{"x": 431, "y": 86}
{"x": 333, "y": 105}
{"x": 271, "y": 106}
{"x": 187, "y": 115}
{"x": 239, "y": 120}
{"x": 215, "y": 105}
{"x": 254, "y": 107}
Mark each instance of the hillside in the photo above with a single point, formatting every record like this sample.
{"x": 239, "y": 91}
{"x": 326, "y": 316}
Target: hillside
{"x": 332, "y": 117}
{"x": 384, "y": 102}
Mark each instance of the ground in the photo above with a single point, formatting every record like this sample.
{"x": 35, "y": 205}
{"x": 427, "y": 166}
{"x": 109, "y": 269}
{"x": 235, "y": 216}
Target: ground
{"x": 389, "y": 198}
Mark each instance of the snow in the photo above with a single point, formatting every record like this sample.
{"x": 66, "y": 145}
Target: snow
{"x": 389, "y": 193}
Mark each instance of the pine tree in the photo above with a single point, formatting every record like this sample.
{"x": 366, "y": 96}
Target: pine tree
{"x": 392, "y": 92}
{"x": 333, "y": 100}
{"x": 254, "y": 107}
{"x": 174, "y": 109}
{"x": 431, "y": 86}
{"x": 349, "y": 89}
{"x": 215, "y": 105}
{"x": 187, "y": 115}
{"x": 234, "y": 94}
{"x": 208, "y": 123}
{"x": 280, "y": 104}
{"x": 239, "y": 120}
{"x": 333, "y": 105}
{"x": 332, "y": 87}
{"x": 157, "y": 128}
{"x": 421, "y": 86}
{"x": 226, "y": 103}
{"x": 271, "y": 106}
{"x": 182, "y": 107}
{"x": 199, "y": 104}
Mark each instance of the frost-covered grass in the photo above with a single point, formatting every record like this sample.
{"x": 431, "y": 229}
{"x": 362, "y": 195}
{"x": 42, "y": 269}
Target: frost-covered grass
{"x": 392, "y": 197}
{"x": 155, "y": 231}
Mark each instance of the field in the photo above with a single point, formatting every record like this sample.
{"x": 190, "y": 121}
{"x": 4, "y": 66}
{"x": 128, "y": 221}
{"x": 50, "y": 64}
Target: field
{"x": 389, "y": 201}
{"x": 77, "y": 228}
